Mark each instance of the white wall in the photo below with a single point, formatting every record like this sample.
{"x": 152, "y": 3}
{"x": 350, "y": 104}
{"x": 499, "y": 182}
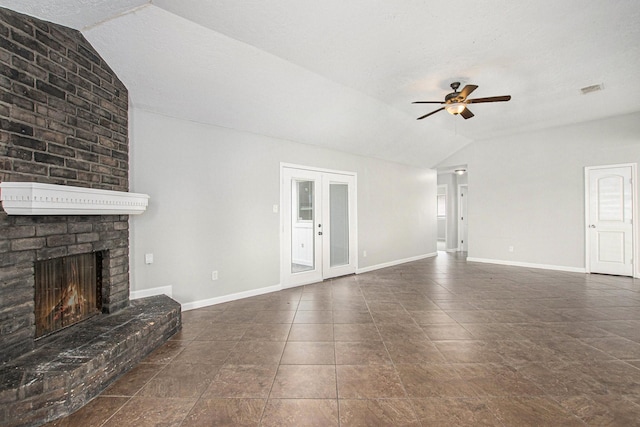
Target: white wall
{"x": 212, "y": 191}
{"x": 527, "y": 190}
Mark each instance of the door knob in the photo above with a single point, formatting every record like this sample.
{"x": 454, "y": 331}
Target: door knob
{"x": 592, "y": 226}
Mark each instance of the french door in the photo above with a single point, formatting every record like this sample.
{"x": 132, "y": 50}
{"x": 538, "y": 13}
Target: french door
{"x": 610, "y": 219}
{"x": 318, "y": 225}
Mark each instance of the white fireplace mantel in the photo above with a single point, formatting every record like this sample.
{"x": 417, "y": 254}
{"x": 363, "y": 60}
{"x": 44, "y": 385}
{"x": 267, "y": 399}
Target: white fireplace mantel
{"x": 33, "y": 198}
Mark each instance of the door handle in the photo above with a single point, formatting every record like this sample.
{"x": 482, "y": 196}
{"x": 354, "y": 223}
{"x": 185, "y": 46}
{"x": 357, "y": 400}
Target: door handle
{"x": 319, "y": 233}
{"x": 592, "y": 226}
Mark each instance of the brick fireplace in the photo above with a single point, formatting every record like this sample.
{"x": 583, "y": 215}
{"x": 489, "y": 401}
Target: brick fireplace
{"x": 64, "y": 120}
{"x": 64, "y": 117}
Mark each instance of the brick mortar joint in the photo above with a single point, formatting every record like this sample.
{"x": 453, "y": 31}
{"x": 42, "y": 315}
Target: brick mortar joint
{"x": 50, "y": 122}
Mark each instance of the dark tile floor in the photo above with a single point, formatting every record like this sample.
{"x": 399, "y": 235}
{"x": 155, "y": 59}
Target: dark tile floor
{"x": 438, "y": 342}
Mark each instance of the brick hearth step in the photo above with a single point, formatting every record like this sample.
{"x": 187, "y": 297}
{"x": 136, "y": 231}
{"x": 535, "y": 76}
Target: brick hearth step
{"x": 69, "y": 368}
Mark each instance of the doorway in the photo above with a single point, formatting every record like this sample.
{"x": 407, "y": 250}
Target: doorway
{"x": 463, "y": 232}
{"x": 319, "y": 226}
{"x": 441, "y": 204}
{"x": 610, "y": 208}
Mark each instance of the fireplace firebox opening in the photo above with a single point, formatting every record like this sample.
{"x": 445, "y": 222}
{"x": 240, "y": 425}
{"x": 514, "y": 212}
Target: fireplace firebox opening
{"x": 68, "y": 290}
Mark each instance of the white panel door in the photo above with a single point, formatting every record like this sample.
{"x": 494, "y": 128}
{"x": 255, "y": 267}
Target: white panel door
{"x": 319, "y": 225}
{"x": 609, "y": 220}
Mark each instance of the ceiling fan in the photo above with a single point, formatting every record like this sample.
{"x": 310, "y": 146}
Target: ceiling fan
{"x": 456, "y": 102}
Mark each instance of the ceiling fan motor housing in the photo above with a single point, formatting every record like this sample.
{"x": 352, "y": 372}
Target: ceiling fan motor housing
{"x": 453, "y": 98}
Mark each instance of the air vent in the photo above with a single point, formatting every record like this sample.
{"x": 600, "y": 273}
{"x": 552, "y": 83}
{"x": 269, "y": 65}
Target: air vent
{"x": 593, "y": 88}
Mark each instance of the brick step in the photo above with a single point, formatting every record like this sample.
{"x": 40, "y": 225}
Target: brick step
{"x": 68, "y": 369}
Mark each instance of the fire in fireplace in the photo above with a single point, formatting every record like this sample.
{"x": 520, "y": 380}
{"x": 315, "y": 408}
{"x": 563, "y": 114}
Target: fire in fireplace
{"x": 67, "y": 291}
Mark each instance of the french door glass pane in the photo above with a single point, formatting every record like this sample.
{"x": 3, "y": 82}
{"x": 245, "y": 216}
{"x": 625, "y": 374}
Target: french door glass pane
{"x": 302, "y": 237}
{"x": 339, "y": 217}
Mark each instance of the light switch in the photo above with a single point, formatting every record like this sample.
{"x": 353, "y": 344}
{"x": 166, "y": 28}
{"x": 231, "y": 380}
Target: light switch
{"x": 148, "y": 258}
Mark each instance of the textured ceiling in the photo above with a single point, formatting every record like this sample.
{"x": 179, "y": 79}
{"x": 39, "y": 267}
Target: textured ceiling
{"x": 343, "y": 74}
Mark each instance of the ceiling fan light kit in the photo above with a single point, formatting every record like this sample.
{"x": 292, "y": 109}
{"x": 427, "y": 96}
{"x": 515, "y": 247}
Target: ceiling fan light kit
{"x": 455, "y": 108}
{"x": 457, "y": 103}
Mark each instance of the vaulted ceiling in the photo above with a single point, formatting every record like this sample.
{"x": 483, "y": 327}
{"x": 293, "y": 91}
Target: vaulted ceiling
{"x": 342, "y": 74}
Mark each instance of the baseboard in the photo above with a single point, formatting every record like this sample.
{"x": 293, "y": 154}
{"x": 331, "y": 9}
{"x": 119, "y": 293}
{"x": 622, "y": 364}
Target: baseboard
{"x": 528, "y": 265}
{"x": 396, "y": 262}
{"x": 231, "y": 297}
{"x": 143, "y": 293}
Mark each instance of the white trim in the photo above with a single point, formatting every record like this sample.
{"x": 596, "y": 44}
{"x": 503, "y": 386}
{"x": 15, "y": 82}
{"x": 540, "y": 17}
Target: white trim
{"x": 231, "y": 297}
{"x": 34, "y": 198}
{"x": 528, "y": 265}
{"x": 459, "y": 233}
{"x": 143, "y": 293}
{"x": 314, "y": 169}
{"x": 396, "y": 262}
{"x": 587, "y": 201}
{"x": 634, "y": 219}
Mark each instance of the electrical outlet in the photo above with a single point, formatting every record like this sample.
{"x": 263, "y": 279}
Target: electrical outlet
{"x": 510, "y": 248}
{"x": 214, "y": 275}
{"x": 148, "y": 258}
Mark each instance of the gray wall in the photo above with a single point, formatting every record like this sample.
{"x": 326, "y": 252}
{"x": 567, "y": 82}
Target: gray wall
{"x": 527, "y": 190}
{"x": 212, "y": 191}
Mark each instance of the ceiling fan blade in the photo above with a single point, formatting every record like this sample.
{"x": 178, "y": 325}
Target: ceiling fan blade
{"x": 427, "y": 102}
{"x": 489, "y": 99}
{"x": 427, "y": 115}
{"x": 467, "y": 91}
{"x": 466, "y": 113}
